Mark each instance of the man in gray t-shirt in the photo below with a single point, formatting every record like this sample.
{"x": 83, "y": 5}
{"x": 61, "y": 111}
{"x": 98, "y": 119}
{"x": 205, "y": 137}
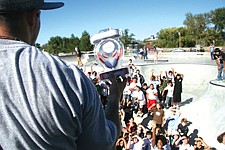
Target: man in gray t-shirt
{"x": 46, "y": 103}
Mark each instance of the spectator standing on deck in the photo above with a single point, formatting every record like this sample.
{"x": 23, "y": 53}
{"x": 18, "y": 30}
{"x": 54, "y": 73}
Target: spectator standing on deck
{"x": 211, "y": 49}
{"x": 156, "y": 54}
{"x": 219, "y": 56}
{"x": 145, "y": 54}
{"x": 78, "y": 52}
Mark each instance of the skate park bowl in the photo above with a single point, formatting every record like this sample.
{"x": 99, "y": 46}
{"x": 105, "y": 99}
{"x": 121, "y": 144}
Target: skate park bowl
{"x": 203, "y": 98}
{"x": 203, "y": 103}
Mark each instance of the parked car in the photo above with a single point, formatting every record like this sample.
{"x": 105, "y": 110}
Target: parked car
{"x": 223, "y": 49}
{"x": 178, "y": 50}
{"x": 193, "y": 49}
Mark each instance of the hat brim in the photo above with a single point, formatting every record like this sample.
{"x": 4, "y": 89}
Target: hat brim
{"x": 51, "y": 5}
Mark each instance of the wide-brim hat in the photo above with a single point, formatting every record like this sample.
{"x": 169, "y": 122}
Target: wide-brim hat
{"x": 12, "y": 6}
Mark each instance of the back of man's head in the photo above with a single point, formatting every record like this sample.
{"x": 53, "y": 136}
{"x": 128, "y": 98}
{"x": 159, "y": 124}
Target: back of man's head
{"x": 217, "y": 50}
{"x": 20, "y": 19}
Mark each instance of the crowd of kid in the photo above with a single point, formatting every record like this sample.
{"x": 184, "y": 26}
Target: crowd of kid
{"x": 156, "y": 103}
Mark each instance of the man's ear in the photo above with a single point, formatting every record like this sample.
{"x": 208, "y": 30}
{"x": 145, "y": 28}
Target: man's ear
{"x": 33, "y": 17}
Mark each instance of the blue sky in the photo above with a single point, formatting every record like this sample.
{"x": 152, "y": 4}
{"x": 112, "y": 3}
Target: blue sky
{"x": 143, "y": 18}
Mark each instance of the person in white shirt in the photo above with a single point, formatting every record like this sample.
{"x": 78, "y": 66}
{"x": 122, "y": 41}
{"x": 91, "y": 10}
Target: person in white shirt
{"x": 126, "y": 92}
{"x": 135, "y": 142}
{"x": 141, "y": 99}
{"x": 132, "y": 68}
{"x": 151, "y": 95}
{"x": 169, "y": 96}
{"x": 132, "y": 88}
{"x": 185, "y": 145}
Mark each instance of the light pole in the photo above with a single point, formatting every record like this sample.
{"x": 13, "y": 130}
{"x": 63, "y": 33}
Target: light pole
{"x": 179, "y": 39}
{"x": 223, "y": 35}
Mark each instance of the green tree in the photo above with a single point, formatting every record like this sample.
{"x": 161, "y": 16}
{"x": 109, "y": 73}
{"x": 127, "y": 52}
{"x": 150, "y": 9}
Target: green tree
{"x": 168, "y": 37}
{"x": 175, "y": 37}
{"x": 126, "y": 38}
{"x": 188, "y": 38}
{"x": 74, "y": 42}
{"x": 65, "y": 45}
{"x": 218, "y": 20}
{"x": 56, "y": 44}
{"x": 198, "y": 25}
{"x": 85, "y": 44}
{"x": 48, "y": 48}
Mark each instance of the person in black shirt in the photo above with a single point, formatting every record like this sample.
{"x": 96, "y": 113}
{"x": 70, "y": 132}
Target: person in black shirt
{"x": 177, "y": 89}
{"x": 219, "y": 57}
{"x": 183, "y": 127}
{"x": 78, "y": 52}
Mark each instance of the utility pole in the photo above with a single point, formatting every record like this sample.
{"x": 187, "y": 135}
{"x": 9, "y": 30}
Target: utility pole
{"x": 179, "y": 39}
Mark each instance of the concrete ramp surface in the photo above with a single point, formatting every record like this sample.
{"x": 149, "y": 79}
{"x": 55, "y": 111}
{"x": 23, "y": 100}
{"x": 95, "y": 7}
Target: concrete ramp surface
{"x": 203, "y": 104}
{"x": 208, "y": 114}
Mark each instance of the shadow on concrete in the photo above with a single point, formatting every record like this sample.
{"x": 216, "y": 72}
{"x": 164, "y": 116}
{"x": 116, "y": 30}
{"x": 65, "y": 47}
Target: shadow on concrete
{"x": 152, "y": 60}
{"x": 192, "y": 137}
{"x": 217, "y": 83}
{"x": 187, "y": 101}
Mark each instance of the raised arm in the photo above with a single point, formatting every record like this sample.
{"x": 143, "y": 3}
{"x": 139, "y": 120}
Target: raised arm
{"x": 224, "y": 65}
{"x": 129, "y": 141}
{"x": 206, "y": 147}
{"x": 152, "y": 73}
{"x": 144, "y": 129}
{"x": 153, "y": 134}
{"x": 121, "y": 139}
{"x": 139, "y": 138}
{"x": 175, "y": 73}
{"x": 217, "y": 63}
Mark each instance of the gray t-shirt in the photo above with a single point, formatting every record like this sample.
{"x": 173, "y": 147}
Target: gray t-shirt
{"x": 46, "y": 103}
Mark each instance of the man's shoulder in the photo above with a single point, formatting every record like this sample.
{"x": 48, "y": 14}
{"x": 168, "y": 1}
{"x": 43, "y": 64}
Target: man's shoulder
{"x": 43, "y": 62}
